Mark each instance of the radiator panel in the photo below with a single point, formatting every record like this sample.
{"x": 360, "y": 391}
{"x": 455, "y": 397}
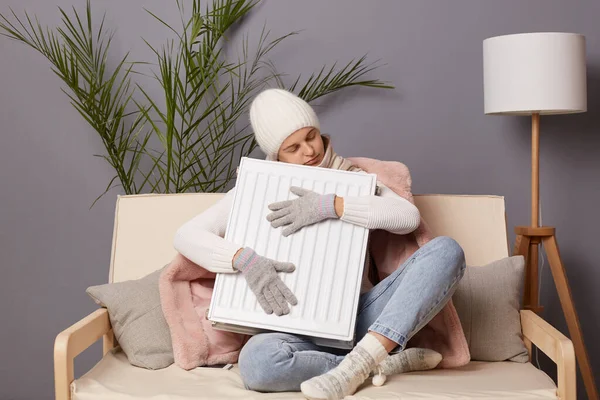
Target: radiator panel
{"x": 329, "y": 256}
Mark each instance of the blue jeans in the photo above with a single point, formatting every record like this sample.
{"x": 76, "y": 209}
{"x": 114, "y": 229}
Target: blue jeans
{"x": 397, "y": 308}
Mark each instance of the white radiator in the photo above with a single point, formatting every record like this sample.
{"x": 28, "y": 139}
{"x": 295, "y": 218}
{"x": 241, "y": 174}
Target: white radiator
{"x": 329, "y": 256}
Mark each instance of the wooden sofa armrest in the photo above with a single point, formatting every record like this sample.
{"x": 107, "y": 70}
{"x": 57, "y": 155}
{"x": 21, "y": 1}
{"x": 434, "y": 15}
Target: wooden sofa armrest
{"x": 556, "y": 346}
{"x": 74, "y": 340}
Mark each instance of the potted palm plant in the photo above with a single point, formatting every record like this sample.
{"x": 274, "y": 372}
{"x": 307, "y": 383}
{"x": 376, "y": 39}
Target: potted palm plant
{"x": 191, "y": 136}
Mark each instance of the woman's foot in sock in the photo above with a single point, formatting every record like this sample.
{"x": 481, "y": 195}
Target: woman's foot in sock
{"x": 344, "y": 379}
{"x": 413, "y": 359}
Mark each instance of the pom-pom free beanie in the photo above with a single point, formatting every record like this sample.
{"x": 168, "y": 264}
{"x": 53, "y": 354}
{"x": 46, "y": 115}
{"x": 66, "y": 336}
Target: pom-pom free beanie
{"x": 275, "y": 114}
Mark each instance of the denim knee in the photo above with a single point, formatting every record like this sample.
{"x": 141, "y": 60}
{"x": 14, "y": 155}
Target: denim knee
{"x": 452, "y": 252}
{"x": 256, "y": 361}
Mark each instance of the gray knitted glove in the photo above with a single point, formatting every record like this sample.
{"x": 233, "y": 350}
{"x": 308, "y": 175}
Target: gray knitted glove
{"x": 261, "y": 275}
{"x": 309, "y": 208}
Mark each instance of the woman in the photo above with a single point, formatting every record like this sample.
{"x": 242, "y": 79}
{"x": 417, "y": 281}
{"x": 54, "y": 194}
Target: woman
{"x": 287, "y": 130}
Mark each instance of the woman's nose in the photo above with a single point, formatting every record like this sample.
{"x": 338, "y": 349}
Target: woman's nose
{"x": 308, "y": 149}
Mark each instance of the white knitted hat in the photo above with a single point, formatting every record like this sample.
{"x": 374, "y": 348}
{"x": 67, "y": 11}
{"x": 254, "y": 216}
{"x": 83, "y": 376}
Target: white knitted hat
{"x": 275, "y": 114}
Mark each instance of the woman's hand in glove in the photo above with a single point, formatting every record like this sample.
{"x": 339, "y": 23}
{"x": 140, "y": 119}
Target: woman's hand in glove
{"x": 309, "y": 208}
{"x": 261, "y": 275}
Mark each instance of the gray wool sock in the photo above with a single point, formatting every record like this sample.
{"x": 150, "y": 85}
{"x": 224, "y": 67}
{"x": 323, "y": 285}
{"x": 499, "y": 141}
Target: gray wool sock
{"x": 344, "y": 379}
{"x": 413, "y": 359}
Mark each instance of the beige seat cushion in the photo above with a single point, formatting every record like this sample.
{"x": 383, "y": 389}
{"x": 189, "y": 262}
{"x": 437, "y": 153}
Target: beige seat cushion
{"x": 114, "y": 378}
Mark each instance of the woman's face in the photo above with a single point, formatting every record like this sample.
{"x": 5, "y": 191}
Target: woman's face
{"x": 305, "y": 146}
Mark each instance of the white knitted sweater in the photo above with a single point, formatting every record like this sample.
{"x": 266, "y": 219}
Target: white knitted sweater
{"x": 201, "y": 239}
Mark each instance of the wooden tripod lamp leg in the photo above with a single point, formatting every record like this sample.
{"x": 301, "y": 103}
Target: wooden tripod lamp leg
{"x": 566, "y": 301}
{"x": 522, "y": 249}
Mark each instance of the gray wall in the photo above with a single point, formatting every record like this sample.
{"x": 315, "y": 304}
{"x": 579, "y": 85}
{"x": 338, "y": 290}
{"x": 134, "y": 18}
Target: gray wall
{"x": 53, "y": 246}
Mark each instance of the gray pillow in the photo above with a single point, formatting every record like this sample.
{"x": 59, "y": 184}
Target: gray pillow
{"x": 137, "y": 320}
{"x": 488, "y": 300}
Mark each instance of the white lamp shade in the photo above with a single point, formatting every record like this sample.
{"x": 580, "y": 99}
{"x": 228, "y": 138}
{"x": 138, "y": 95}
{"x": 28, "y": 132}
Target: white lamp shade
{"x": 535, "y": 73}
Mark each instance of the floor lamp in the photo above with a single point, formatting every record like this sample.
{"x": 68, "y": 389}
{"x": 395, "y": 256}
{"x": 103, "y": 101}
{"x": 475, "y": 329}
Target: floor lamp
{"x": 535, "y": 74}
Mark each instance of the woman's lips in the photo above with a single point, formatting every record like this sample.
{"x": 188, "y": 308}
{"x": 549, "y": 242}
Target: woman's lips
{"x": 313, "y": 161}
